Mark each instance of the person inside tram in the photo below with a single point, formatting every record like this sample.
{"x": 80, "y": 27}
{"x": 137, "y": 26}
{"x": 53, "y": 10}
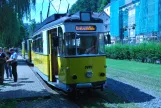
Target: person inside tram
{"x": 93, "y": 48}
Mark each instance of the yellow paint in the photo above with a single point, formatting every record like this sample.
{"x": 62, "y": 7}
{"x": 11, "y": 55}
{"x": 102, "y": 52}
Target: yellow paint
{"x": 77, "y": 67}
{"x": 23, "y": 50}
{"x": 50, "y": 57}
{"x": 41, "y": 62}
{"x": 63, "y": 63}
{"x": 29, "y": 50}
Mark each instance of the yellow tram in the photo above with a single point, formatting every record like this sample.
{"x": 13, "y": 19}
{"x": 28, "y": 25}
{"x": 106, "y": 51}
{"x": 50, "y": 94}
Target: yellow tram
{"x": 26, "y": 50}
{"x": 69, "y": 51}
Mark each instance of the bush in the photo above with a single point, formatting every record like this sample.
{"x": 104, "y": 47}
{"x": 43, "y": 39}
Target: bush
{"x": 144, "y": 52}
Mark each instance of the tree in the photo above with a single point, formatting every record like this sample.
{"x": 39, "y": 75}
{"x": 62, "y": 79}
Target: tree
{"x": 89, "y": 5}
{"x": 103, "y": 4}
{"x": 12, "y": 29}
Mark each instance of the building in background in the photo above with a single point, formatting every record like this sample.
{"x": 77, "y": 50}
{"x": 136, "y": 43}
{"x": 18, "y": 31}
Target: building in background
{"x": 104, "y": 15}
{"x": 135, "y": 20}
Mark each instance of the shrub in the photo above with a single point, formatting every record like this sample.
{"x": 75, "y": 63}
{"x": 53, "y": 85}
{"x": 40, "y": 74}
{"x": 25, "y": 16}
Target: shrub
{"x": 145, "y": 52}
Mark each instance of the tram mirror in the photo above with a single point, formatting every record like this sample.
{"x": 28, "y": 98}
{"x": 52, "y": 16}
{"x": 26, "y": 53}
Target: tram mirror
{"x": 56, "y": 41}
{"x": 107, "y": 39}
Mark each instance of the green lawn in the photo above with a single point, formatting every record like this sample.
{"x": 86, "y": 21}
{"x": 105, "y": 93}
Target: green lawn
{"x": 153, "y": 70}
{"x": 143, "y": 76}
{"x": 10, "y": 104}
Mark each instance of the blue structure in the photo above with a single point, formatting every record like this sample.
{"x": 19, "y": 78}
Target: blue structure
{"x": 135, "y": 18}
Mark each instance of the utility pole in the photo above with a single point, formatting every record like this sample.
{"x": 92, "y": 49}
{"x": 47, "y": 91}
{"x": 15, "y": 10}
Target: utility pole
{"x": 68, "y": 8}
{"x": 48, "y": 10}
{"x": 41, "y": 16}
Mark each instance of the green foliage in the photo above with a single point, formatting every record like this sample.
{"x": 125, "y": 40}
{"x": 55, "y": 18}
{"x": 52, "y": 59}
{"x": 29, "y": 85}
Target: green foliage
{"x": 89, "y": 5}
{"x": 118, "y": 51}
{"x": 103, "y": 4}
{"x": 9, "y": 104}
{"x": 32, "y": 28}
{"x": 12, "y": 29}
{"x": 145, "y": 52}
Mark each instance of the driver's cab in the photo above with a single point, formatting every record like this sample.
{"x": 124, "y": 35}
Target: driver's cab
{"x": 84, "y": 44}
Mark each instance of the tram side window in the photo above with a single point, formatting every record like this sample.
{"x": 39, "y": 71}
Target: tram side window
{"x": 26, "y": 46}
{"x": 33, "y": 46}
{"x": 37, "y": 45}
{"x": 61, "y": 41}
{"x": 70, "y": 44}
{"x": 101, "y": 48}
{"x": 40, "y": 45}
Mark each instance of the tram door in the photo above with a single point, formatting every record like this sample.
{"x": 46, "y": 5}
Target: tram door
{"x": 53, "y": 56}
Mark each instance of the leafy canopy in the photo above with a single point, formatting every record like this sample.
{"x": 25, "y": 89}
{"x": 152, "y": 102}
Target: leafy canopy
{"x": 12, "y": 29}
{"x": 89, "y": 5}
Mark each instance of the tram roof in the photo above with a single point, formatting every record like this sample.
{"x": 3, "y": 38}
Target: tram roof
{"x": 56, "y": 19}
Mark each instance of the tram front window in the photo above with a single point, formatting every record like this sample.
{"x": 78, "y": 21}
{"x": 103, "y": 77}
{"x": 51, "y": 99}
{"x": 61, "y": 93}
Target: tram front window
{"x": 70, "y": 44}
{"x": 83, "y": 44}
{"x": 87, "y": 45}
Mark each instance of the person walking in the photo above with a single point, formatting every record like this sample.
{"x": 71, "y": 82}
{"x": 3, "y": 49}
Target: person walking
{"x": 13, "y": 60}
{"x": 2, "y": 62}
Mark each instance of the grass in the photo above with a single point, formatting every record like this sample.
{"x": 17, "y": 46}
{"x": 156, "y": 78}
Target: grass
{"x": 13, "y": 103}
{"x": 153, "y": 70}
{"x": 10, "y": 104}
{"x": 143, "y": 76}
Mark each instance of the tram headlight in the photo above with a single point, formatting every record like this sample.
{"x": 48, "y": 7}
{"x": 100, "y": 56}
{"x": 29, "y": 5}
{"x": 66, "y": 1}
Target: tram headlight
{"x": 74, "y": 77}
{"x": 102, "y": 74}
{"x": 89, "y": 74}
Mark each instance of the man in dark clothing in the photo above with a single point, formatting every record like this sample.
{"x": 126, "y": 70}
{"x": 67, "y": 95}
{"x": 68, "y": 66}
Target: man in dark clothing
{"x": 8, "y": 65}
{"x": 2, "y": 62}
{"x": 13, "y": 60}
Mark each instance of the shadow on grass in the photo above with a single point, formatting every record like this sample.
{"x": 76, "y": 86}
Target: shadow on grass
{"x": 28, "y": 99}
{"x": 128, "y": 92}
{"x": 116, "y": 93}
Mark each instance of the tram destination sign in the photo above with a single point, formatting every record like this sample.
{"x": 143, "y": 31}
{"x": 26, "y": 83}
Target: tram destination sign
{"x": 85, "y": 27}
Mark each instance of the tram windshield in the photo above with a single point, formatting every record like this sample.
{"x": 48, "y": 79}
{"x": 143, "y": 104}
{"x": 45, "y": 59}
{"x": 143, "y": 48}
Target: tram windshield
{"x": 84, "y": 44}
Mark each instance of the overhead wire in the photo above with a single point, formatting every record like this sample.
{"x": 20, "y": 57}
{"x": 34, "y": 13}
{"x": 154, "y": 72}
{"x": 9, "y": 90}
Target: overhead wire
{"x": 53, "y": 6}
{"x": 42, "y": 10}
{"x": 67, "y": 1}
{"x": 42, "y": 5}
{"x": 59, "y": 6}
{"x": 48, "y": 9}
{"x": 68, "y": 6}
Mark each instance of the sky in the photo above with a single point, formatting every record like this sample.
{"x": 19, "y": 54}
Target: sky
{"x": 35, "y": 13}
